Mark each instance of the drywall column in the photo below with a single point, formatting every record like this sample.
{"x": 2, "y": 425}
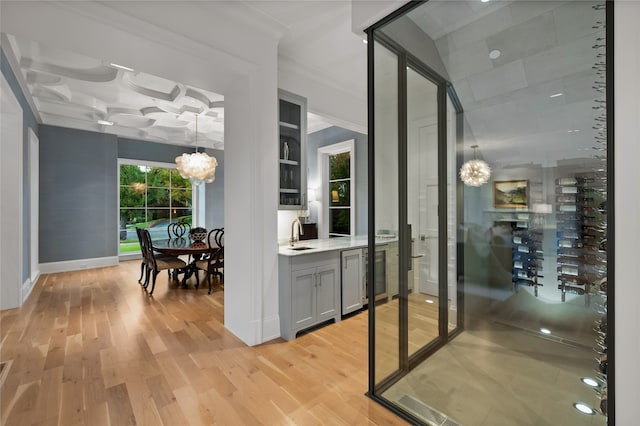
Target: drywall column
{"x": 627, "y": 206}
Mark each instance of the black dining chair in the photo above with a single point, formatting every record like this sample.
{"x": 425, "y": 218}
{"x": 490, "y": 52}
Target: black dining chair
{"x": 155, "y": 263}
{"x": 213, "y": 262}
{"x": 178, "y": 230}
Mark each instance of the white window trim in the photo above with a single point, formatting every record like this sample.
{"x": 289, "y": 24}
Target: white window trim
{"x": 197, "y": 198}
{"x": 323, "y": 170}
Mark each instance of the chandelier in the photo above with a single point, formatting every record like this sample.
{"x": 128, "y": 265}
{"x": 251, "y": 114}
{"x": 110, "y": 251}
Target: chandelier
{"x": 475, "y": 172}
{"x": 198, "y": 167}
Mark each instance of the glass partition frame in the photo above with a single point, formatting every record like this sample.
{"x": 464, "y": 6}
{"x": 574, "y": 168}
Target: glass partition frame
{"x": 445, "y": 93}
{"x": 375, "y": 388}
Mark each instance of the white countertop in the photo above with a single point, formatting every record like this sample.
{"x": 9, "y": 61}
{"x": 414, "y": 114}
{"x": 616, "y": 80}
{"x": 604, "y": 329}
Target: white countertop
{"x": 329, "y": 244}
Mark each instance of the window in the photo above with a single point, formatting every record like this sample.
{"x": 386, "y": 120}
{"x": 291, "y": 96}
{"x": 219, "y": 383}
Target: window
{"x": 151, "y": 196}
{"x": 340, "y": 194}
{"x": 337, "y": 163}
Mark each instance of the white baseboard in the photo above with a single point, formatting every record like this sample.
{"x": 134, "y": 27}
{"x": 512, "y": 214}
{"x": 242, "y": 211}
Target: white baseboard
{"x": 270, "y": 328}
{"x": 25, "y": 291}
{"x": 75, "y": 265}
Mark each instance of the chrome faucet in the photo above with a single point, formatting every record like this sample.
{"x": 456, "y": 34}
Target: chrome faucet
{"x": 293, "y": 229}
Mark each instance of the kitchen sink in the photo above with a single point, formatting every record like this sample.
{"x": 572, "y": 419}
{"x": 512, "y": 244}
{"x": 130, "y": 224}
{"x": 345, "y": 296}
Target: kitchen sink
{"x": 299, "y": 248}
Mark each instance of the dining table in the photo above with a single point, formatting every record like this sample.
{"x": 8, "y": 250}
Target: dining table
{"x": 182, "y": 247}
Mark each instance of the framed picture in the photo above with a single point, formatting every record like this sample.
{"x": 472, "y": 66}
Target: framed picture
{"x": 510, "y": 194}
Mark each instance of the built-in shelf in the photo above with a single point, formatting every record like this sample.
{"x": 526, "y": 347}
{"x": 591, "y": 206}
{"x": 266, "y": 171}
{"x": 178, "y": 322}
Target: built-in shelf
{"x": 293, "y": 151}
{"x": 289, "y": 162}
{"x": 289, "y": 125}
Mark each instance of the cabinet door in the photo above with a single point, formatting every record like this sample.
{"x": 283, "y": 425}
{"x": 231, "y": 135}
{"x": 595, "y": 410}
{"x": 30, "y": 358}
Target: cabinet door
{"x": 327, "y": 294}
{"x": 303, "y": 289}
{"x": 293, "y": 151}
{"x": 351, "y": 281}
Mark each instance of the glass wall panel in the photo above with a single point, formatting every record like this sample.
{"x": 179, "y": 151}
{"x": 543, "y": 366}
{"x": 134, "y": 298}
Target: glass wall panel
{"x": 386, "y": 213}
{"x": 422, "y": 211}
{"x": 452, "y": 215}
{"x": 525, "y": 166}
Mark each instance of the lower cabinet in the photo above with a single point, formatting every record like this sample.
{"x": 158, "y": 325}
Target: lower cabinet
{"x": 309, "y": 291}
{"x": 352, "y": 281}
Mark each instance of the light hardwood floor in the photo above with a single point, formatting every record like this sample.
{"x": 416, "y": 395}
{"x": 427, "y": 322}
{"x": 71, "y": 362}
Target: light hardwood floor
{"x": 90, "y": 347}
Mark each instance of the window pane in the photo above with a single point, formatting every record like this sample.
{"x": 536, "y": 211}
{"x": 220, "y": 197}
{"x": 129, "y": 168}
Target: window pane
{"x": 181, "y": 215}
{"x": 181, "y": 198}
{"x": 131, "y": 197}
{"x": 130, "y": 217}
{"x": 339, "y": 221}
{"x": 158, "y": 177}
{"x": 157, "y": 197}
{"x": 156, "y": 216}
{"x": 340, "y": 166}
{"x": 340, "y": 194}
{"x": 178, "y": 181}
{"x": 130, "y": 174}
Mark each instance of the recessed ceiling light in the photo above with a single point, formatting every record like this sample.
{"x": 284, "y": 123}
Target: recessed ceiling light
{"x": 573, "y": 131}
{"x": 122, "y": 67}
{"x": 555, "y": 95}
{"x": 105, "y": 122}
{"x": 429, "y": 301}
{"x": 590, "y": 382}
{"x": 484, "y": 1}
{"x": 584, "y": 408}
{"x": 545, "y": 331}
{"x": 495, "y": 54}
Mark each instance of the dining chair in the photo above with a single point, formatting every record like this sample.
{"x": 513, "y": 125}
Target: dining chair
{"x": 142, "y": 264}
{"x": 213, "y": 262}
{"x": 178, "y": 230}
{"x": 155, "y": 263}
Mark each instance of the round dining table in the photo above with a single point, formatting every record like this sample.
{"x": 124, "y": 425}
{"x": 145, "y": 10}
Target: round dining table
{"x": 184, "y": 246}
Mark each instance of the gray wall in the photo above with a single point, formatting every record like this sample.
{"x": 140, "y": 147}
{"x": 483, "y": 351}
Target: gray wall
{"x": 28, "y": 121}
{"x": 79, "y": 190}
{"x": 78, "y": 194}
{"x": 331, "y": 136}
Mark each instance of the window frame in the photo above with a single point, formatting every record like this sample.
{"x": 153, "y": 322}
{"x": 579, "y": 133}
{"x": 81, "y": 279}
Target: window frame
{"x": 197, "y": 197}
{"x": 323, "y": 166}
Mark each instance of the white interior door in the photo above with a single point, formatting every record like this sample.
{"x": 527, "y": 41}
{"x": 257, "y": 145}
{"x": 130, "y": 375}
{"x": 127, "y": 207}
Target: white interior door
{"x": 34, "y": 196}
{"x": 427, "y": 241}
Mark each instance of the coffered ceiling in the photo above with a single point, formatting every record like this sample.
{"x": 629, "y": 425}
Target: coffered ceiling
{"x": 76, "y": 91}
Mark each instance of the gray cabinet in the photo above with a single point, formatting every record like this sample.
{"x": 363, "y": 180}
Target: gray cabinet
{"x": 293, "y": 151}
{"x": 352, "y": 281}
{"x": 309, "y": 291}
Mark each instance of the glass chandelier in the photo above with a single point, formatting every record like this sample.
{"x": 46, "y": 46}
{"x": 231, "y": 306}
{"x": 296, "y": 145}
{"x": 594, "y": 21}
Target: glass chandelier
{"x": 475, "y": 172}
{"x": 198, "y": 166}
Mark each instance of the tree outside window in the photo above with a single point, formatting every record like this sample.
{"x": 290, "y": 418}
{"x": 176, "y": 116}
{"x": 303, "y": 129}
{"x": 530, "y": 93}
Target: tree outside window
{"x": 151, "y": 197}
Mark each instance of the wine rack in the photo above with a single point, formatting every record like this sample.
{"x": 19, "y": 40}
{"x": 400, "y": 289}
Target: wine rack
{"x": 527, "y": 251}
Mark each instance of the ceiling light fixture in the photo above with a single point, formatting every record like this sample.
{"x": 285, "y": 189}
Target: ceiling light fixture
{"x": 555, "y": 95}
{"x": 122, "y": 67}
{"x": 590, "y": 382}
{"x": 198, "y": 167}
{"x": 475, "y": 172}
{"x": 545, "y": 331}
{"x": 584, "y": 408}
{"x": 495, "y": 54}
{"x": 484, "y": 1}
{"x": 105, "y": 122}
